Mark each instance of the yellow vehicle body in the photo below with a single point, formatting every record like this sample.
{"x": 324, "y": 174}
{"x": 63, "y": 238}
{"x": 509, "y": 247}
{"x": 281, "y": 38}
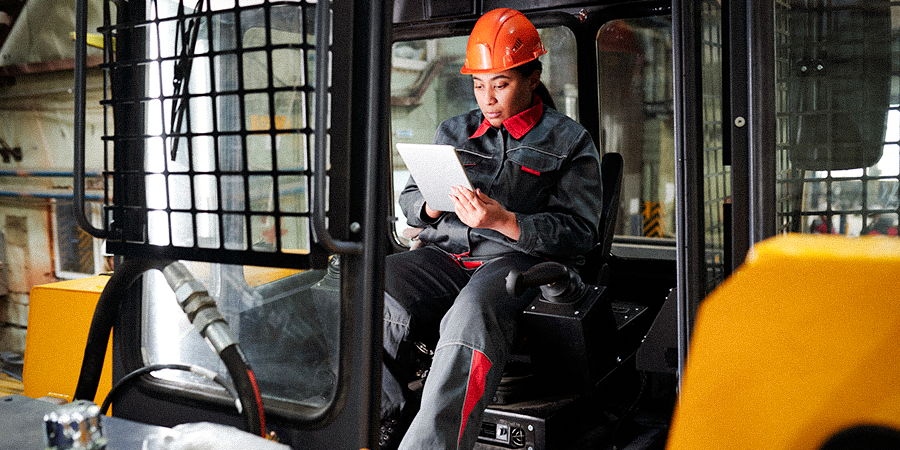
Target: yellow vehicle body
{"x": 59, "y": 318}
{"x": 800, "y": 343}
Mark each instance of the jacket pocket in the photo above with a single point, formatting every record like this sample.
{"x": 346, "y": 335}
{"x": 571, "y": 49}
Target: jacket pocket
{"x": 535, "y": 161}
{"x": 470, "y": 158}
{"x": 529, "y": 178}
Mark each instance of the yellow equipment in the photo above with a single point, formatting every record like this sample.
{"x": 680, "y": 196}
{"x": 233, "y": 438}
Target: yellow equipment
{"x": 59, "y": 317}
{"x": 800, "y": 343}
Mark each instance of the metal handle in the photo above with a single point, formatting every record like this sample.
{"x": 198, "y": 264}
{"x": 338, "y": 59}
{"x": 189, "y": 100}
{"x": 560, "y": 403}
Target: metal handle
{"x": 81, "y": 13}
{"x": 320, "y": 230}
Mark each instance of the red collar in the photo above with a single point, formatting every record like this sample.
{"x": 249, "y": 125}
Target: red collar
{"x": 517, "y": 125}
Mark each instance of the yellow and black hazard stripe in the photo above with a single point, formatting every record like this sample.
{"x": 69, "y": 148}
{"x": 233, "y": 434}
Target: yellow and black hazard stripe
{"x": 652, "y": 219}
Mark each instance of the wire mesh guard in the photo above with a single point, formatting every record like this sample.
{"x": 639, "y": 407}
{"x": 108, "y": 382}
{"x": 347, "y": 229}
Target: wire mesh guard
{"x": 717, "y": 174}
{"x": 836, "y": 97}
{"x": 213, "y": 137}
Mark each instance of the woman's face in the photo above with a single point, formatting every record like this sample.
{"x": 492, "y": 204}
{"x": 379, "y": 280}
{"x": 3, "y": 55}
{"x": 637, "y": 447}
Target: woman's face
{"x": 505, "y": 94}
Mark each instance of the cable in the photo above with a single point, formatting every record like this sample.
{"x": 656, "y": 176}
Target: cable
{"x": 105, "y": 315}
{"x": 196, "y": 370}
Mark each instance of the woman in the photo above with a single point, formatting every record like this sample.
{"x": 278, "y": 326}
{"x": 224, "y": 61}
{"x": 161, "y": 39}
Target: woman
{"x": 537, "y": 197}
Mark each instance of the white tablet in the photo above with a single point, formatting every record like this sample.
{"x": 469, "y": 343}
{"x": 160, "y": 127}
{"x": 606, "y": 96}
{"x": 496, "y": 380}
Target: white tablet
{"x": 436, "y": 169}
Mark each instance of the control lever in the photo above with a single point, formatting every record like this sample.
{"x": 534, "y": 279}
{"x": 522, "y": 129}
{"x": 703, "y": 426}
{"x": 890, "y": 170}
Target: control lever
{"x": 558, "y": 283}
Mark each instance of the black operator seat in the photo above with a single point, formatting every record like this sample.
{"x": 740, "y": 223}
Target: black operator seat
{"x": 569, "y": 340}
{"x": 596, "y": 270}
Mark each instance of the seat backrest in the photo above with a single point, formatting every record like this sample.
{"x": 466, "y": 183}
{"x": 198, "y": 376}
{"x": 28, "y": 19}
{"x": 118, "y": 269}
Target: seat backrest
{"x": 611, "y": 169}
{"x": 546, "y": 349}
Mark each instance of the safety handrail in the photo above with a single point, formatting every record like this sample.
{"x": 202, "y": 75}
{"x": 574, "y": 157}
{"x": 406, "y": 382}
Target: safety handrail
{"x": 323, "y": 63}
{"x": 78, "y": 177}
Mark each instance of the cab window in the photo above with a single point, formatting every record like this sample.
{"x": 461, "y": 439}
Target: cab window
{"x": 837, "y": 118}
{"x": 227, "y": 165}
{"x": 637, "y": 120}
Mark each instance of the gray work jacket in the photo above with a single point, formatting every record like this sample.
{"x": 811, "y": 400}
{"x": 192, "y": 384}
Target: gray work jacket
{"x": 550, "y": 179}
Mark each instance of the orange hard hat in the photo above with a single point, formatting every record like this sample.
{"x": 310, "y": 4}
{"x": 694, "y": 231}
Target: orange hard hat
{"x": 501, "y": 39}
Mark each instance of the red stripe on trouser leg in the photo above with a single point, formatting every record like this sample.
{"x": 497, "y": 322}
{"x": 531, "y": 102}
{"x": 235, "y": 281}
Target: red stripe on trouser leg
{"x": 475, "y": 390}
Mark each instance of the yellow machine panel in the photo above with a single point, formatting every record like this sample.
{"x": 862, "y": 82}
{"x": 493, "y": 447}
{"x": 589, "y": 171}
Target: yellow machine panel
{"x": 59, "y": 318}
{"x": 800, "y": 343}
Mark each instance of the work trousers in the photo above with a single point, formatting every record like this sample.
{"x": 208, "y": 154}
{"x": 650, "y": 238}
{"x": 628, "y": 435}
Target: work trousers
{"x": 427, "y": 290}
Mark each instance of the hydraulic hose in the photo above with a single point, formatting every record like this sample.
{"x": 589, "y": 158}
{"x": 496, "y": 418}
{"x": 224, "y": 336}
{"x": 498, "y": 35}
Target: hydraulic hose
{"x": 201, "y": 310}
{"x": 102, "y": 323}
{"x": 247, "y": 389}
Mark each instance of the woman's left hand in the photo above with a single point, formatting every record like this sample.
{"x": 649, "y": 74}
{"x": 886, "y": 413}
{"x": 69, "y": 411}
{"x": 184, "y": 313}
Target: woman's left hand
{"x": 477, "y": 210}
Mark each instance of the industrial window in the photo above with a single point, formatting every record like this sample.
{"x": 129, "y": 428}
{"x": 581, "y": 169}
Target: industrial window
{"x": 213, "y": 106}
{"x": 837, "y": 79}
{"x": 716, "y": 174}
{"x": 637, "y": 120}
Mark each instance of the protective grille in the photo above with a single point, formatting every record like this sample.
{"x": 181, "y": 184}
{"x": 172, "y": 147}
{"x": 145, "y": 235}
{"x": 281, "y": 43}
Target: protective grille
{"x": 213, "y": 137}
{"x": 837, "y": 81}
{"x": 716, "y": 175}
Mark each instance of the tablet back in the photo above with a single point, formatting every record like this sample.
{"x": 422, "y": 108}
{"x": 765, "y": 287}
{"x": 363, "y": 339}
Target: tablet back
{"x": 436, "y": 168}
